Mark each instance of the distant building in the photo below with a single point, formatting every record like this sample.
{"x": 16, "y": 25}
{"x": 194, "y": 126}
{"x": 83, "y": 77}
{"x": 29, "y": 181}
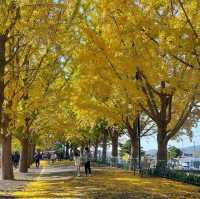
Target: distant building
{"x": 151, "y": 159}
{"x": 186, "y": 155}
{"x": 190, "y": 163}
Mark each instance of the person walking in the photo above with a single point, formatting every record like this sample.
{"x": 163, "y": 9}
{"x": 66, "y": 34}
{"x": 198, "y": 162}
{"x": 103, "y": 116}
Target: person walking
{"x": 77, "y": 161}
{"x": 86, "y": 159}
{"x": 37, "y": 158}
{"x": 15, "y": 159}
{"x": 48, "y": 156}
{"x": 53, "y": 157}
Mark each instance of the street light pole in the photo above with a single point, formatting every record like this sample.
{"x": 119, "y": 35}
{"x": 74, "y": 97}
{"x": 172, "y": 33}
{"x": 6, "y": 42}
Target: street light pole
{"x": 139, "y": 142}
{"x": 137, "y": 77}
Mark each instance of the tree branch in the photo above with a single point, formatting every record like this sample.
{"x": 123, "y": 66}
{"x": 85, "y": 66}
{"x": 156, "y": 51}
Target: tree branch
{"x": 188, "y": 19}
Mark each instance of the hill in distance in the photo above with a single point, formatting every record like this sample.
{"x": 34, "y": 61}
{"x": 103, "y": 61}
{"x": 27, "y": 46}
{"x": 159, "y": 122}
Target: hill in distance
{"x": 188, "y": 150}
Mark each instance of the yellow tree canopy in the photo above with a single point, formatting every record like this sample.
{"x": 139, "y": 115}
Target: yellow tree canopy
{"x": 156, "y": 39}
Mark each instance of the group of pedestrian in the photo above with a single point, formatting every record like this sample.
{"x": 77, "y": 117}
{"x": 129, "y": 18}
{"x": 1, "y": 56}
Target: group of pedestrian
{"x": 85, "y": 159}
{"x": 79, "y": 159}
{"x": 37, "y": 156}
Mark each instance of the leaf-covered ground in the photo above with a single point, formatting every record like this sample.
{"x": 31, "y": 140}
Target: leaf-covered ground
{"x": 21, "y": 179}
{"x": 105, "y": 183}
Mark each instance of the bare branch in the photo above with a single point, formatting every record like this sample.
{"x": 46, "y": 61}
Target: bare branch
{"x": 14, "y": 54}
{"x": 13, "y": 23}
{"x": 145, "y": 132}
{"x": 184, "y": 116}
{"x": 188, "y": 19}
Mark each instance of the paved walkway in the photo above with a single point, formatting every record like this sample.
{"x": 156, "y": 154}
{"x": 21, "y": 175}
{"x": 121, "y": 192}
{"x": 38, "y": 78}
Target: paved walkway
{"x": 56, "y": 173}
{"x": 21, "y": 179}
{"x": 52, "y": 183}
{"x": 58, "y": 181}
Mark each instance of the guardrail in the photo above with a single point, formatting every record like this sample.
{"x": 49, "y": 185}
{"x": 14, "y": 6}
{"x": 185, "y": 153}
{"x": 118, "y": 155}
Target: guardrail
{"x": 178, "y": 175}
{"x": 186, "y": 176}
{"x": 131, "y": 164}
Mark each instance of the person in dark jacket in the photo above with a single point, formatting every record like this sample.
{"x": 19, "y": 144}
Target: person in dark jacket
{"x": 86, "y": 160}
{"x": 37, "y": 158}
{"x": 15, "y": 159}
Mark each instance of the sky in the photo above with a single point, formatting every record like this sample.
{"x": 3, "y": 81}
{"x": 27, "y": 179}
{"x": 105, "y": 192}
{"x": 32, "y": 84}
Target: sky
{"x": 149, "y": 143}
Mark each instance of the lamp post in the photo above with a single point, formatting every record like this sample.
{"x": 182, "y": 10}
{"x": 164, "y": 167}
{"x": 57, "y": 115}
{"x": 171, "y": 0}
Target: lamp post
{"x": 137, "y": 77}
{"x": 139, "y": 142}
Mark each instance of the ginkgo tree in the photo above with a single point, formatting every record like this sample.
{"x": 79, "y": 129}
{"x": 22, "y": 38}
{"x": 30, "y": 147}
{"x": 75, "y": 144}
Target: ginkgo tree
{"x": 100, "y": 99}
{"x": 11, "y": 42}
{"x": 64, "y": 65}
{"x": 27, "y": 29}
{"x": 35, "y": 90}
{"x": 129, "y": 44}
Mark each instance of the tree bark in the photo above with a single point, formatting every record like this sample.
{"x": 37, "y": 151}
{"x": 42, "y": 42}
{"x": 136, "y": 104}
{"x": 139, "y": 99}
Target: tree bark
{"x": 71, "y": 153}
{"x": 6, "y": 163}
{"x": 104, "y": 146}
{"x": 82, "y": 150}
{"x": 2, "y": 70}
{"x": 134, "y": 152}
{"x": 114, "y": 139}
{"x": 162, "y": 149}
{"x": 33, "y": 152}
{"x": 115, "y": 144}
{"x": 7, "y": 170}
{"x": 134, "y": 147}
{"x": 132, "y": 131}
{"x": 66, "y": 151}
{"x": 30, "y": 155}
{"x": 24, "y": 156}
{"x": 96, "y": 151}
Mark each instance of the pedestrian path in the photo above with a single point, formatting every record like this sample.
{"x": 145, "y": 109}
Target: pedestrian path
{"x": 58, "y": 181}
{"x": 21, "y": 179}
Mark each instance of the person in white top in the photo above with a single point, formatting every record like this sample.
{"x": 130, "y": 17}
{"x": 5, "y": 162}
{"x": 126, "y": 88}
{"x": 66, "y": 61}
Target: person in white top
{"x": 53, "y": 157}
{"x": 77, "y": 161}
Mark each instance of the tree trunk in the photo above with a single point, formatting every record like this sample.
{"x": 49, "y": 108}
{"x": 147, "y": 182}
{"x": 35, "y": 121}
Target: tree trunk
{"x": 71, "y": 153}
{"x": 6, "y": 163}
{"x": 132, "y": 131}
{"x": 134, "y": 152}
{"x": 82, "y": 150}
{"x": 162, "y": 150}
{"x": 33, "y": 152}
{"x": 2, "y": 70}
{"x": 104, "y": 146}
{"x": 114, "y": 139}
{"x": 24, "y": 156}
{"x": 30, "y": 155}
{"x": 115, "y": 144}
{"x": 67, "y": 151}
{"x": 7, "y": 170}
{"x": 96, "y": 151}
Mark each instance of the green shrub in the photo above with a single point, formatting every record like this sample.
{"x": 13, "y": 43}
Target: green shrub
{"x": 182, "y": 176}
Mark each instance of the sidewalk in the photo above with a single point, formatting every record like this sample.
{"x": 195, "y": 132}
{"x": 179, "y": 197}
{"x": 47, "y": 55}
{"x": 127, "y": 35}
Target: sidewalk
{"x": 7, "y": 187}
{"x": 58, "y": 181}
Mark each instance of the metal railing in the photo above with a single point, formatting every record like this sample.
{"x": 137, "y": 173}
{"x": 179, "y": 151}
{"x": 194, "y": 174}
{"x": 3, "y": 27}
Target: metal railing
{"x": 161, "y": 169}
{"x": 131, "y": 164}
